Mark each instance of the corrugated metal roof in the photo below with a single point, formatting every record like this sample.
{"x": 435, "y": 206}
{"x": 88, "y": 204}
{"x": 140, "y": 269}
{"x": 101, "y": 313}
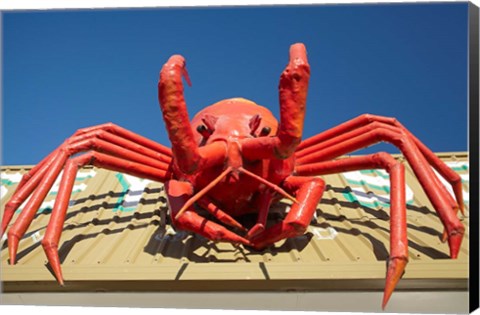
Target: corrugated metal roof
{"x": 117, "y": 237}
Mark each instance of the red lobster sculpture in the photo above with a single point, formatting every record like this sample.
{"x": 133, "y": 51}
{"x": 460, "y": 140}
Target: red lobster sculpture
{"x": 235, "y": 158}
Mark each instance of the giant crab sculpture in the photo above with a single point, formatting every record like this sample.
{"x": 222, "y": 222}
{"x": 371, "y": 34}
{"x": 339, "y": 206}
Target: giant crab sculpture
{"x": 235, "y": 158}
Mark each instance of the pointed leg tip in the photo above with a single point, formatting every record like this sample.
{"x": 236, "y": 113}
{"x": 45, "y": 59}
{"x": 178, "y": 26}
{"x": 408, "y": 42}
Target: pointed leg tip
{"x": 57, "y": 270}
{"x": 386, "y": 298}
{"x": 455, "y": 242}
{"x": 54, "y": 261}
{"x": 384, "y": 304}
{"x": 52, "y": 256}
{"x": 454, "y": 252}
{"x": 396, "y": 268}
{"x": 12, "y": 248}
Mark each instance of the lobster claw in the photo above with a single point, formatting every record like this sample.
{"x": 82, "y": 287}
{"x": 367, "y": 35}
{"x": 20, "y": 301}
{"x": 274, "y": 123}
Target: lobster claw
{"x": 175, "y": 115}
{"x": 293, "y": 88}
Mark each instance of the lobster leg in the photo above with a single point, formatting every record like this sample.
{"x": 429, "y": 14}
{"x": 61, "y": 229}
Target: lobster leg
{"x": 112, "y": 138}
{"x": 316, "y": 142}
{"x": 178, "y": 193}
{"x": 24, "y": 190}
{"x": 308, "y": 191}
{"x": 110, "y": 133}
{"x": 293, "y": 89}
{"x": 128, "y": 135}
{"x": 116, "y": 150}
{"x": 437, "y": 193}
{"x": 65, "y": 151}
{"x": 308, "y": 154}
{"x": 162, "y": 153}
{"x": 398, "y": 221}
{"x": 57, "y": 219}
{"x": 39, "y": 167}
{"x": 23, "y": 221}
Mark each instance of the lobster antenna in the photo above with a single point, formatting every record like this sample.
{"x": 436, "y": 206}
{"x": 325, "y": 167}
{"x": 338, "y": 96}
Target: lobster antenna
{"x": 229, "y": 169}
{"x": 269, "y": 184}
{"x": 202, "y": 192}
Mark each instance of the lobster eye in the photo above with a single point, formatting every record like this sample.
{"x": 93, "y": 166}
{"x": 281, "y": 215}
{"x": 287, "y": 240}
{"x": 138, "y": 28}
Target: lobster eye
{"x": 265, "y": 131}
{"x": 203, "y": 130}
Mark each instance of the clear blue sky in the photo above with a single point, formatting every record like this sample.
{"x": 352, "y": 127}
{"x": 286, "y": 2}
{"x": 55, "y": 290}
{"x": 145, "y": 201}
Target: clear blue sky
{"x": 64, "y": 70}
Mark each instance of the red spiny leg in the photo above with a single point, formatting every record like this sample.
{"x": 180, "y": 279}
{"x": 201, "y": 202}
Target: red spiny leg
{"x": 293, "y": 89}
{"x": 40, "y": 166}
{"x": 55, "y": 226}
{"x": 178, "y": 193}
{"x": 110, "y": 133}
{"x": 128, "y": 135}
{"x": 64, "y": 152}
{"x": 24, "y": 190}
{"x": 107, "y": 137}
{"x": 23, "y": 221}
{"x": 308, "y": 191}
{"x": 398, "y": 213}
{"x": 316, "y": 142}
{"x": 437, "y": 193}
{"x": 308, "y": 154}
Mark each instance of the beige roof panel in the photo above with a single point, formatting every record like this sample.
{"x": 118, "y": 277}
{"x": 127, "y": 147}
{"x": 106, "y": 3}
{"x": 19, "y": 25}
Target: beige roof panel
{"x": 117, "y": 236}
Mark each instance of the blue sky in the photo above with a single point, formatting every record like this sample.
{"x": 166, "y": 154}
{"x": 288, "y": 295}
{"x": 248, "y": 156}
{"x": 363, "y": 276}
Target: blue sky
{"x": 64, "y": 70}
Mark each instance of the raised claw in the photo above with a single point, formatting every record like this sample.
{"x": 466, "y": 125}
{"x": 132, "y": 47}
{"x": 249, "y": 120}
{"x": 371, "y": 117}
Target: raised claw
{"x": 175, "y": 114}
{"x": 293, "y": 88}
